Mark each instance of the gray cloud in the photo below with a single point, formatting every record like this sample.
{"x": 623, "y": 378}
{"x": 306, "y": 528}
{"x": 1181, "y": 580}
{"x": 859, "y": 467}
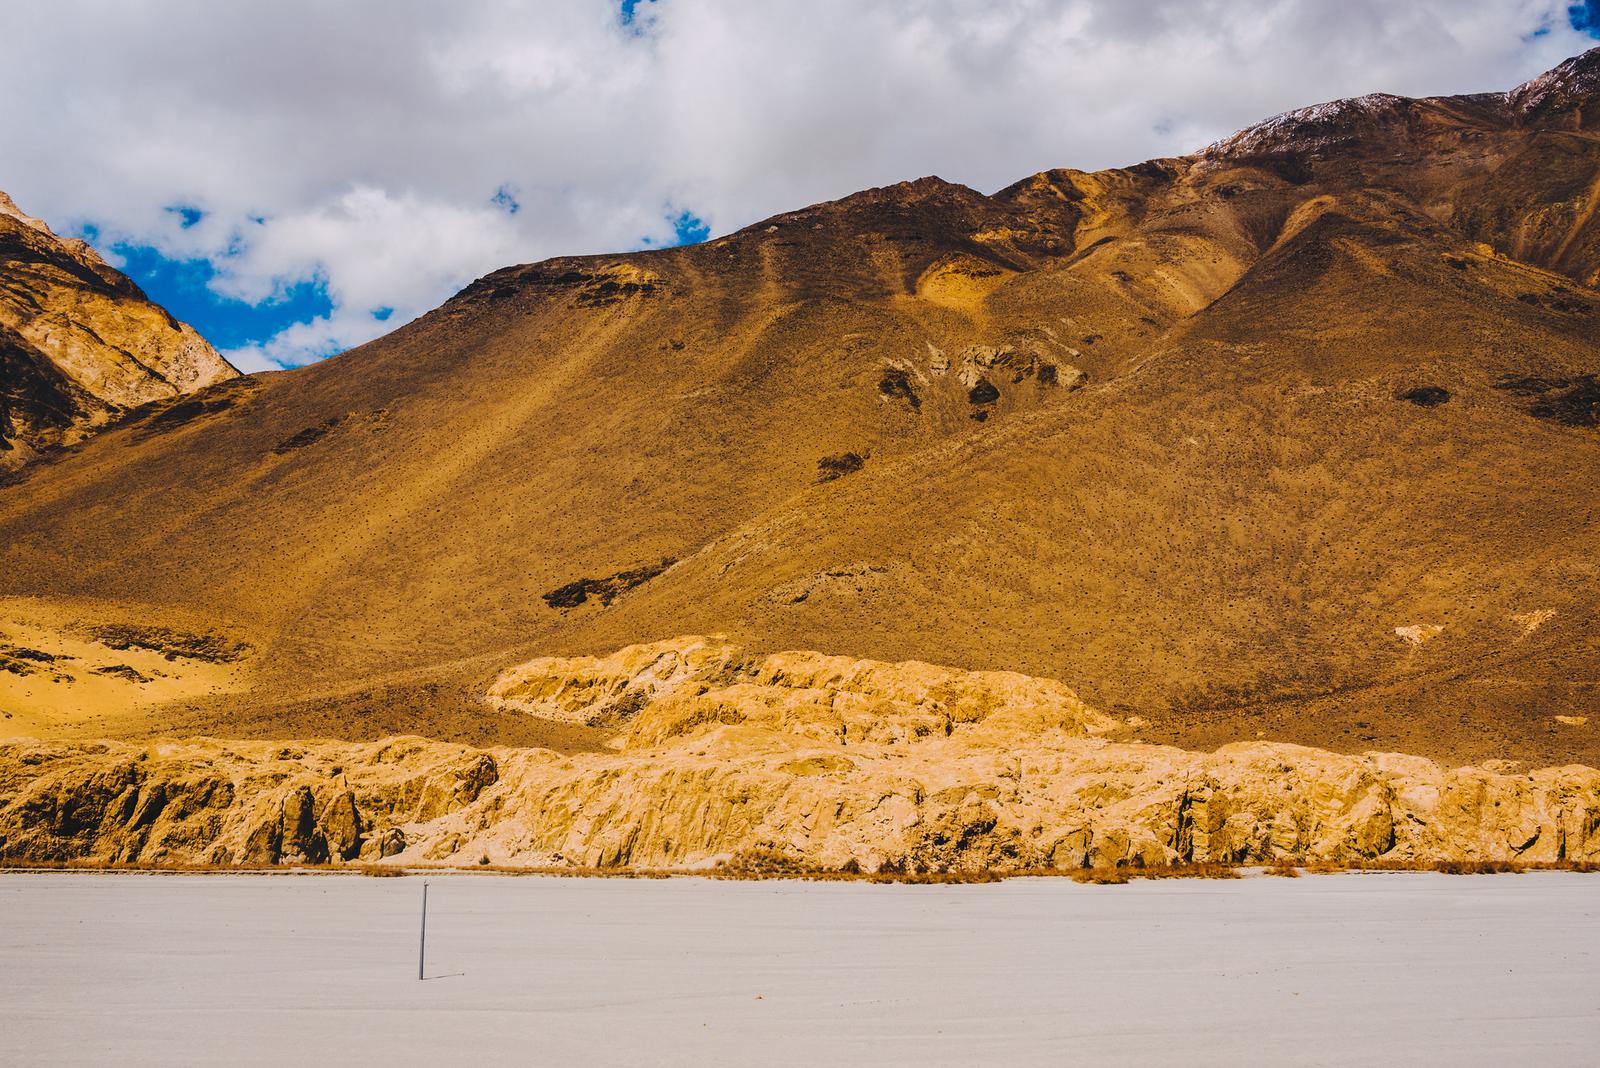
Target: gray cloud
{"x": 363, "y": 141}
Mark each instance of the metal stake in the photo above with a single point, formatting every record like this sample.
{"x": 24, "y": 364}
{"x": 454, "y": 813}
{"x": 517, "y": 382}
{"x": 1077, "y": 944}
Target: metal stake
{"x": 422, "y": 948}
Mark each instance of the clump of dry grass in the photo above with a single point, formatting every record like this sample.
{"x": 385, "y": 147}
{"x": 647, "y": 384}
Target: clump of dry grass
{"x": 772, "y": 863}
{"x": 933, "y": 878}
{"x": 1442, "y": 867}
{"x": 91, "y": 865}
{"x": 1475, "y": 867}
{"x": 763, "y": 862}
{"x": 1188, "y": 870}
{"x": 1128, "y": 873}
{"x": 1479, "y": 867}
{"x": 1200, "y": 869}
{"x": 381, "y": 871}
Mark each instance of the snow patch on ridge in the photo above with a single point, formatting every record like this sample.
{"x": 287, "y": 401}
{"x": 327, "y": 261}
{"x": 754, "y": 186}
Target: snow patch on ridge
{"x": 1578, "y": 77}
{"x": 1308, "y": 129}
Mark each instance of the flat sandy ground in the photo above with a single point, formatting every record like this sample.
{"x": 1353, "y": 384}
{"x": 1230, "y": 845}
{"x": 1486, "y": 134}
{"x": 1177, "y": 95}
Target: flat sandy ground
{"x": 1414, "y": 968}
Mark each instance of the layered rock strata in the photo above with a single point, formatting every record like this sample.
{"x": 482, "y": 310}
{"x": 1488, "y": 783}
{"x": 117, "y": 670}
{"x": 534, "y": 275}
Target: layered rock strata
{"x": 829, "y": 762}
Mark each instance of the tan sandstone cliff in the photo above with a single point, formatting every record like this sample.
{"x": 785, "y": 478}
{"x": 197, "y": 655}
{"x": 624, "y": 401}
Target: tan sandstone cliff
{"x": 829, "y": 761}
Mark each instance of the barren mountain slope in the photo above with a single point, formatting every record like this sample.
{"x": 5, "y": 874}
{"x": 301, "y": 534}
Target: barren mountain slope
{"x": 79, "y": 342}
{"x": 1292, "y": 438}
{"x": 1345, "y": 529}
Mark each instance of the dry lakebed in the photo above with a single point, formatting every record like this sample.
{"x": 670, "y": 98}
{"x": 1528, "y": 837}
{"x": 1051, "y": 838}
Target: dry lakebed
{"x": 1326, "y": 969}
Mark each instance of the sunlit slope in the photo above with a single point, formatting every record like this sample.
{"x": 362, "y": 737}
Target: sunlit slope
{"x": 1296, "y": 436}
{"x": 416, "y": 498}
{"x": 1312, "y": 510}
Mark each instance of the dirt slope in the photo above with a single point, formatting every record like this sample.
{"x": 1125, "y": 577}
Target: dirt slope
{"x": 1294, "y": 438}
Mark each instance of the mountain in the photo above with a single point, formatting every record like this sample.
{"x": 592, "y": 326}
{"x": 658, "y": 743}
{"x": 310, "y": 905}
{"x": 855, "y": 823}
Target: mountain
{"x": 1291, "y": 439}
{"x": 80, "y": 344}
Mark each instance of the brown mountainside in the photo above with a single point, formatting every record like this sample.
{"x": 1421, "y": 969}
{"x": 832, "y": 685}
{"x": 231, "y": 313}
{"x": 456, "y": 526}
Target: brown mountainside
{"x": 1293, "y": 438}
{"x": 80, "y": 343}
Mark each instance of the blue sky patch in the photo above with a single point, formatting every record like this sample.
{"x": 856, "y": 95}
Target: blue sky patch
{"x": 1585, "y": 17}
{"x": 687, "y": 229}
{"x": 630, "y": 10}
{"x": 187, "y": 214}
{"x": 505, "y": 199}
{"x": 183, "y": 287}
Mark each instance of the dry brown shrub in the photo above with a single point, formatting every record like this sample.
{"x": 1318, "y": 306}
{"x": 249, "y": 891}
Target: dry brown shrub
{"x": 771, "y": 863}
{"x": 762, "y": 862}
{"x": 381, "y": 871}
{"x": 934, "y": 878}
{"x": 1200, "y": 869}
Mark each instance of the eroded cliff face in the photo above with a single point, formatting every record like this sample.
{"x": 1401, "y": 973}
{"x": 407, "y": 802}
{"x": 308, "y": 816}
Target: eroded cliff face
{"x": 80, "y": 342}
{"x": 827, "y": 761}
{"x": 664, "y": 691}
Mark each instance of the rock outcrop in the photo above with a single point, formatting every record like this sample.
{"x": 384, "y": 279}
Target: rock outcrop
{"x": 826, "y": 761}
{"x": 671, "y": 689}
{"x": 80, "y": 342}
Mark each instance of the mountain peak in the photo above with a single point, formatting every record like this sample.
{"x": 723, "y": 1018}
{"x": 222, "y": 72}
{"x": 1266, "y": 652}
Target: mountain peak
{"x": 1313, "y": 129}
{"x": 9, "y": 207}
{"x": 80, "y": 342}
{"x": 1565, "y": 86}
{"x": 1384, "y": 120}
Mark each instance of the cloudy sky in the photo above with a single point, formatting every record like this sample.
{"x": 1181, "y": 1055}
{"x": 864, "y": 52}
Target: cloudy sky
{"x": 296, "y": 177}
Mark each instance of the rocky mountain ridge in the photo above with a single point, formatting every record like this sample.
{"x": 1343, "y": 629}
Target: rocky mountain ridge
{"x": 80, "y": 343}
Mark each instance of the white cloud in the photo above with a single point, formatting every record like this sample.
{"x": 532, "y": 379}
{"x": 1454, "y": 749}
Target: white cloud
{"x": 362, "y": 142}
